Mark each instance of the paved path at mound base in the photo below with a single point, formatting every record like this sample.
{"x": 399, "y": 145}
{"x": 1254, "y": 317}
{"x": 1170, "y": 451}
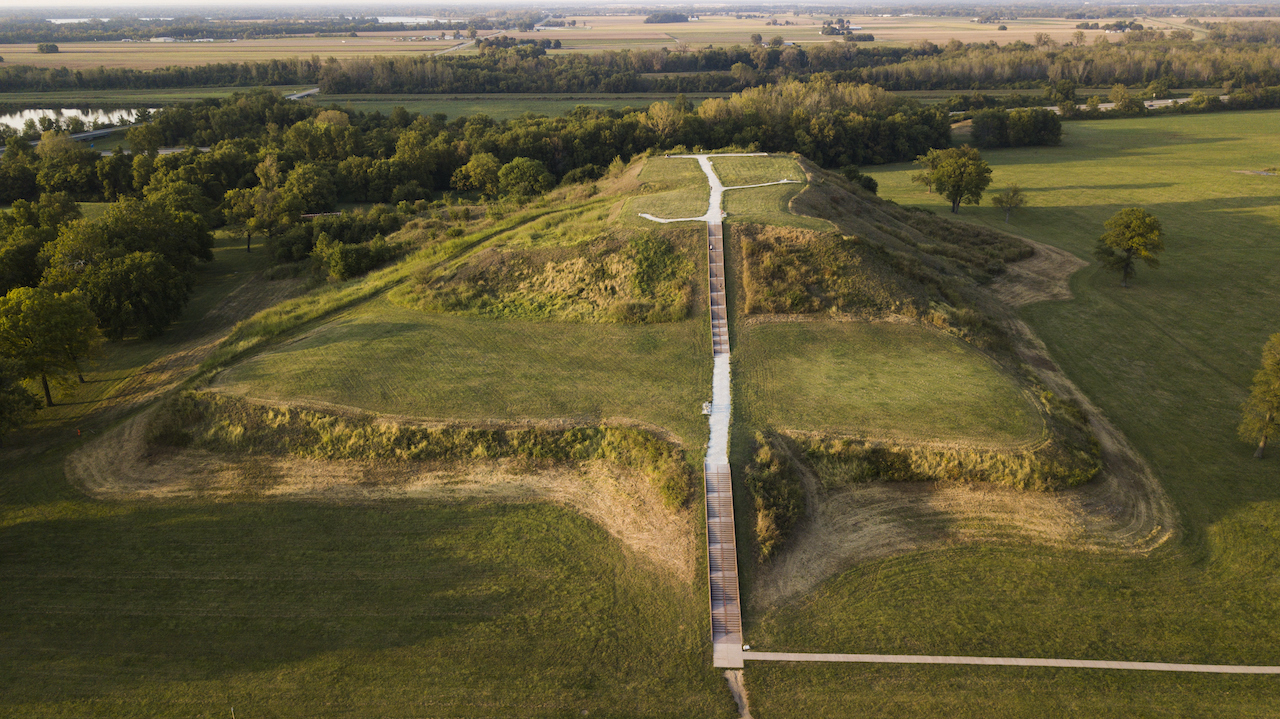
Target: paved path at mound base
{"x": 1007, "y": 662}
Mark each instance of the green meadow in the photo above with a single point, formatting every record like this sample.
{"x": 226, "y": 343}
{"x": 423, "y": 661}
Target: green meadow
{"x": 1168, "y": 361}
{"x": 385, "y": 358}
{"x": 877, "y": 380}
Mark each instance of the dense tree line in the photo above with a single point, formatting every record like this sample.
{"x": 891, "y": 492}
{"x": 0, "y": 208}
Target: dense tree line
{"x": 272, "y": 162}
{"x": 515, "y": 67}
{"x": 1016, "y": 128}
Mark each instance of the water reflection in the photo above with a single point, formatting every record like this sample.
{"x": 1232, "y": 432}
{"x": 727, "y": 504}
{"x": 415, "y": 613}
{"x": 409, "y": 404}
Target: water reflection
{"x": 64, "y": 116}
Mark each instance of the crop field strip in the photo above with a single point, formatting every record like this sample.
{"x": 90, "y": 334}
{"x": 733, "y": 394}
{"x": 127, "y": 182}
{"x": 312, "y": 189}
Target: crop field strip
{"x": 593, "y": 34}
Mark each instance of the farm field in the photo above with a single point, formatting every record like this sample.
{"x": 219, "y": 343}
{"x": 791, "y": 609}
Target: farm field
{"x": 592, "y": 34}
{"x": 1168, "y": 361}
{"x": 619, "y": 32}
{"x": 150, "y": 55}
{"x": 876, "y": 380}
{"x": 128, "y": 98}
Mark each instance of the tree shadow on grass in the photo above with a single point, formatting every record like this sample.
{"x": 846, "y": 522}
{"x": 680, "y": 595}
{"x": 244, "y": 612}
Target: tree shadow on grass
{"x": 146, "y": 602}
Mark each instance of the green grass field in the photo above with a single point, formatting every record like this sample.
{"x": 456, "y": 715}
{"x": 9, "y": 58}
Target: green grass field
{"x": 878, "y": 380}
{"x": 688, "y": 195}
{"x": 401, "y": 608}
{"x": 398, "y": 608}
{"x": 738, "y": 171}
{"x": 387, "y": 358}
{"x": 498, "y": 106}
{"x": 1168, "y": 361}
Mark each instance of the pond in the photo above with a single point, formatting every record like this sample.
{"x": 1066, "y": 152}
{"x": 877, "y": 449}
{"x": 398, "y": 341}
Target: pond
{"x": 18, "y": 118}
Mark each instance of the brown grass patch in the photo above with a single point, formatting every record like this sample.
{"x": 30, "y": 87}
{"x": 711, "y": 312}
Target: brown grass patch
{"x": 1046, "y": 275}
{"x": 116, "y": 467}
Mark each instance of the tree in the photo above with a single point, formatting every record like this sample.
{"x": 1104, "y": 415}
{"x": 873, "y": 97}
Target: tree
{"x": 314, "y": 186}
{"x": 756, "y": 38}
{"x": 140, "y": 290}
{"x": 1009, "y": 200}
{"x": 1132, "y": 234}
{"x": 480, "y": 173}
{"x": 238, "y": 207}
{"x": 960, "y": 175}
{"x": 145, "y": 139}
{"x": 46, "y": 334}
{"x": 525, "y": 176}
{"x": 1124, "y": 102}
{"x": 1261, "y": 411}
{"x": 17, "y": 404}
{"x": 663, "y": 118}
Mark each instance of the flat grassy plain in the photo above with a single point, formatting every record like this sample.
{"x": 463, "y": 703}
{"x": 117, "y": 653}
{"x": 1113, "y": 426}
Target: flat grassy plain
{"x": 394, "y": 608}
{"x": 387, "y": 358}
{"x": 1169, "y": 361}
{"x": 616, "y": 32}
{"x": 499, "y": 106}
{"x": 877, "y": 380}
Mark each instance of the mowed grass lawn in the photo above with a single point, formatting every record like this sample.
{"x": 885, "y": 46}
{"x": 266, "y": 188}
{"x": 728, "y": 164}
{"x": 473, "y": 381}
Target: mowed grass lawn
{"x": 877, "y": 380}
{"x": 1169, "y": 360}
{"x": 306, "y": 609}
{"x": 738, "y": 171}
{"x": 385, "y": 358}
{"x": 688, "y": 197}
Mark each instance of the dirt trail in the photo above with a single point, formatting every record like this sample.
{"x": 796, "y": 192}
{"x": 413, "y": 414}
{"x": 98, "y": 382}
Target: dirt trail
{"x": 251, "y": 297}
{"x": 1043, "y": 276}
{"x": 1125, "y": 509}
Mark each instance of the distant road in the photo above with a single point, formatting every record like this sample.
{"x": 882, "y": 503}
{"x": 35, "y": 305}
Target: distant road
{"x": 304, "y": 93}
{"x": 1151, "y": 105}
{"x": 161, "y": 151}
{"x": 468, "y": 43}
{"x": 94, "y": 134}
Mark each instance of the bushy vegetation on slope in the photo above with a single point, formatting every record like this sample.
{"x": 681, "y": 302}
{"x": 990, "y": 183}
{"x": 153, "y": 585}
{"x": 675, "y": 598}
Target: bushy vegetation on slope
{"x": 227, "y": 424}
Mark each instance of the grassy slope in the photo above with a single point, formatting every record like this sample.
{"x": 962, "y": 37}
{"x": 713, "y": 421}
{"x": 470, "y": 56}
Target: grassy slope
{"x": 1168, "y": 361}
{"x": 876, "y": 380}
{"x": 307, "y": 609}
{"x": 390, "y": 359}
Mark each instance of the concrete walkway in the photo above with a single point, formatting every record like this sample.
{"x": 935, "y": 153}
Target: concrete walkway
{"x": 722, "y": 550}
{"x": 1008, "y": 662}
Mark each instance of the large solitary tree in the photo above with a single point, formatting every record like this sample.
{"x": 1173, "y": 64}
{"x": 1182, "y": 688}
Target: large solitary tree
{"x": 958, "y": 174}
{"x": 1262, "y": 410}
{"x": 1132, "y": 234}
